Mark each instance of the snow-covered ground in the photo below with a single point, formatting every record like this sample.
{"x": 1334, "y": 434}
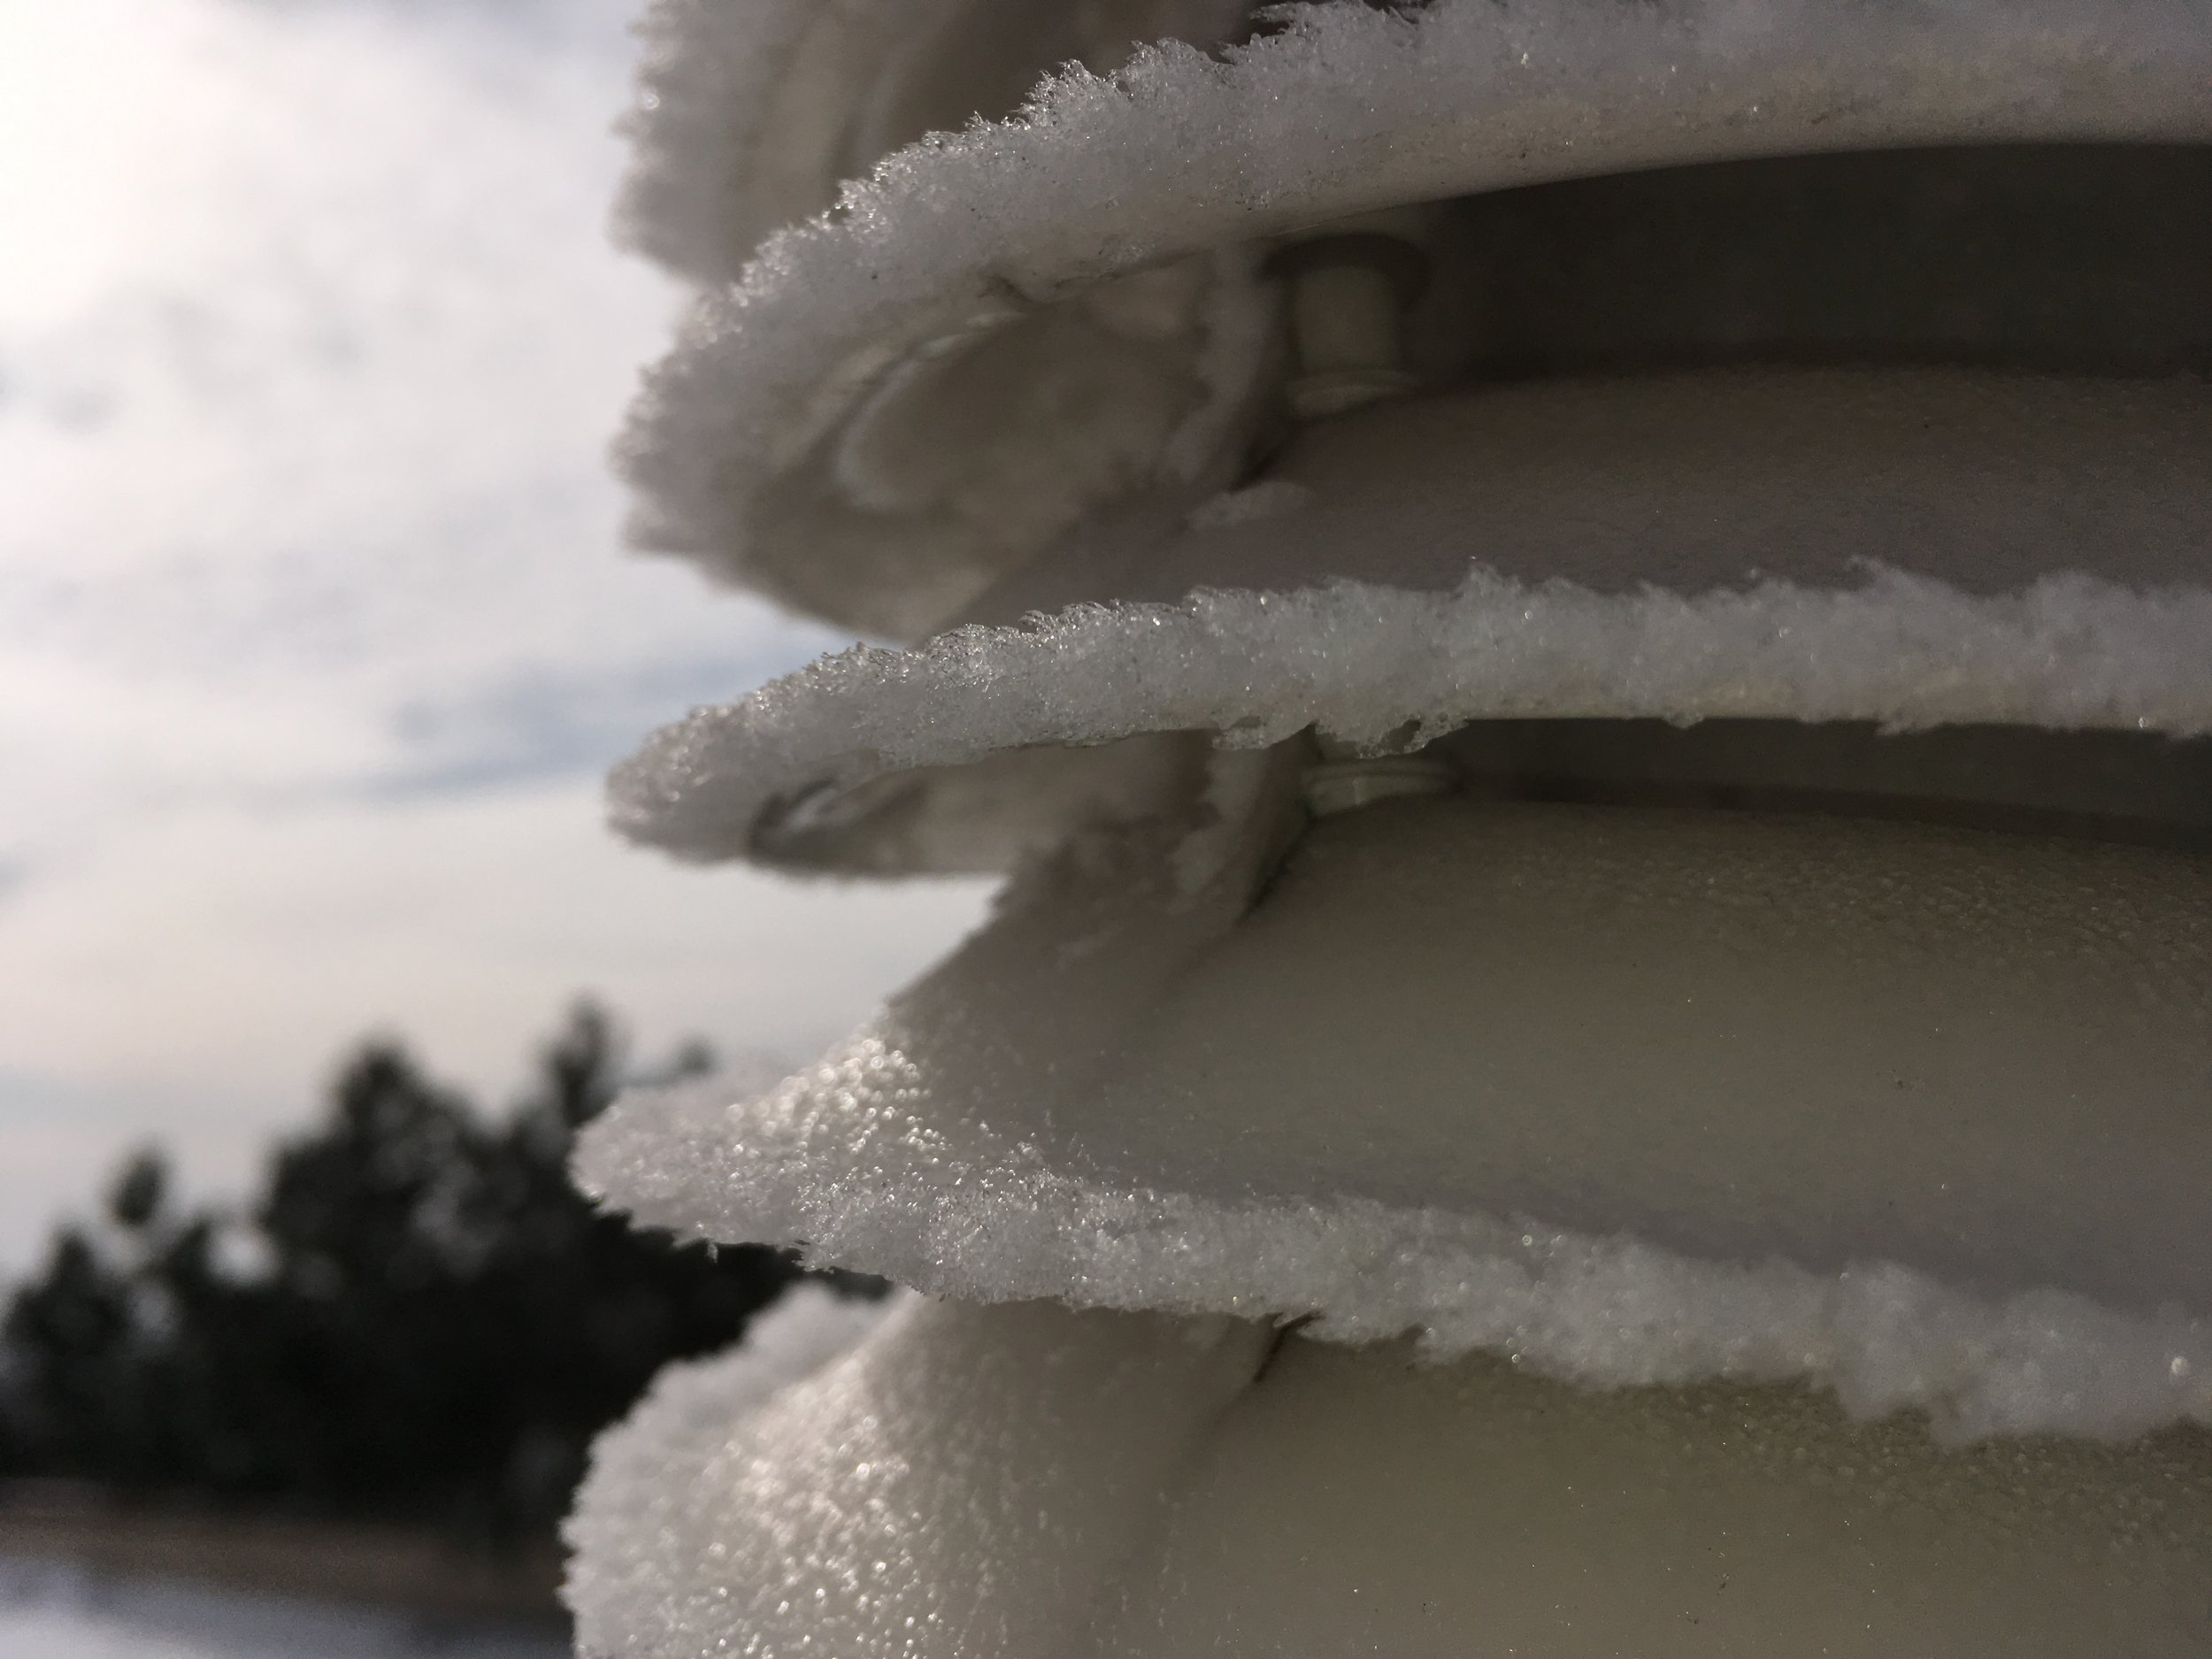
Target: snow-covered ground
{"x": 51, "y": 1612}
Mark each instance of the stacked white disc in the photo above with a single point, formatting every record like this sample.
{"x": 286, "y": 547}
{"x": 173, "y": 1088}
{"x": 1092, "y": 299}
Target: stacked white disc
{"x": 1599, "y": 1038}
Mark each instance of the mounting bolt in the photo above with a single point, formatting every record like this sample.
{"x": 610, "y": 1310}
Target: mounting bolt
{"x": 1350, "y": 286}
{"x": 1341, "y": 781}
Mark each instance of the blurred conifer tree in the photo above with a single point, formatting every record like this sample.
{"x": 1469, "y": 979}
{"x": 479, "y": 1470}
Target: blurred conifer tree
{"x": 418, "y": 1319}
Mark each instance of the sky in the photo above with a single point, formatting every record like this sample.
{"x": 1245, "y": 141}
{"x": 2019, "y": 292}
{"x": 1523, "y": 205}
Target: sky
{"x": 316, "y": 635}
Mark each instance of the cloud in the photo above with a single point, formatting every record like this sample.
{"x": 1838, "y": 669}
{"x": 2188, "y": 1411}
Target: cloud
{"x": 61, "y": 1138}
{"x": 540, "y": 723}
{"x": 314, "y": 632}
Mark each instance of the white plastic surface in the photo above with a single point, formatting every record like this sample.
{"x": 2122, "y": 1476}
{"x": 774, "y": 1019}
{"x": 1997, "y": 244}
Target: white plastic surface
{"x": 1350, "y": 108}
{"x": 1634, "y": 1094}
{"x": 1390, "y": 668}
{"x": 1009, "y": 1482}
{"x": 1352, "y": 1502}
{"x": 1694, "y": 482}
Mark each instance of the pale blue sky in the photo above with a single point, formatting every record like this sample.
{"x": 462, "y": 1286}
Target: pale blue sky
{"x": 314, "y": 634}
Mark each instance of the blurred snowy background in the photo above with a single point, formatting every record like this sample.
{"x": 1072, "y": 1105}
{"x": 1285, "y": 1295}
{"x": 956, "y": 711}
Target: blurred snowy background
{"x": 315, "y": 636}
{"x": 56, "y": 1613}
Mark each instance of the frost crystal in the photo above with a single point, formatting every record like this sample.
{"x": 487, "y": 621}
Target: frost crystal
{"x": 750, "y": 115}
{"x": 966, "y": 1484}
{"x": 999, "y": 1483}
{"x": 1643, "y": 831}
{"x": 1350, "y": 108}
{"x": 1385, "y": 666}
{"x": 1349, "y": 1104}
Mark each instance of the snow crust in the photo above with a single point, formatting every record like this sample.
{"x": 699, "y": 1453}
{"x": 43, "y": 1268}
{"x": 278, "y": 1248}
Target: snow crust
{"x": 960, "y": 457}
{"x": 634, "y": 1488}
{"x": 808, "y": 1329}
{"x": 963, "y": 458}
{"x": 965, "y": 1483}
{"x": 1384, "y": 668}
{"x": 701, "y": 192}
{"x": 1655, "y": 1143}
{"x": 750, "y": 115}
{"x": 1348, "y": 109}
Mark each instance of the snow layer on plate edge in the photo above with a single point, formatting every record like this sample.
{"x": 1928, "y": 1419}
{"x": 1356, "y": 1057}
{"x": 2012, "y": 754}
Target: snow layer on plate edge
{"x": 696, "y": 196}
{"x": 981, "y": 1481}
{"x": 1349, "y": 109}
{"x": 1605, "y": 1311}
{"x": 748, "y": 115}
{"x": 1375, "y": 665}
